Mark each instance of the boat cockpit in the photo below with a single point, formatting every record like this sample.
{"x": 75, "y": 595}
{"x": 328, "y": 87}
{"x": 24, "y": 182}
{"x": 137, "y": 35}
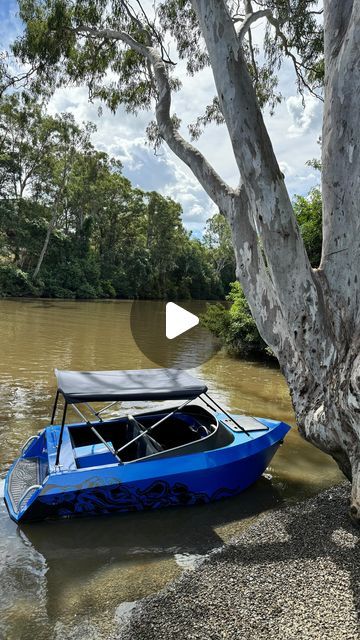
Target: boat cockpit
{"x": 144, "y": 436}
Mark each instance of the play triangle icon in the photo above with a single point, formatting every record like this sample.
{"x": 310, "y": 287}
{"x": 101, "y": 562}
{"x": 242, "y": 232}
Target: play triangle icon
{"x": 178, "y": 320}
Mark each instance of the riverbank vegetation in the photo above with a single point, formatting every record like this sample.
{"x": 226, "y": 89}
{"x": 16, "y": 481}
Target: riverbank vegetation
{"x": 72, "y": 226}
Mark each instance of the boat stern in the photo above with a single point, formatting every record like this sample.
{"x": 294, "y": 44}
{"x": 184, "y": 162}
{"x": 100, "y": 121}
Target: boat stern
{"x": 26, "y": 477}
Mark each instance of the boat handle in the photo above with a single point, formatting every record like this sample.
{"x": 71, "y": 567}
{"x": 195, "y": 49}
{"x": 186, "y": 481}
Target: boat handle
{"x": 25, "y": 446}
{"x": 33, "y": 486}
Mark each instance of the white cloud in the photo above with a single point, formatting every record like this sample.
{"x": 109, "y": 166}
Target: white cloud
{"x": 293, "y": 131}
{"x": 305, "y": 118}
{"x": 286, "y": 168}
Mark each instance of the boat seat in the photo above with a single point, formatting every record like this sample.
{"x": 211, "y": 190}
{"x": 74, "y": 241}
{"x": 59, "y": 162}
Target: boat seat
{"x": 93, "y": 455}
{"x": 178, "y": 431}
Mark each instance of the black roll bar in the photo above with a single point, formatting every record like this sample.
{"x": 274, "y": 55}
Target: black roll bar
{"x": 61, "y": 435}
{"x": 54, "y": 407}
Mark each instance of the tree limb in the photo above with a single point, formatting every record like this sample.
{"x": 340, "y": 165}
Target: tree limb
{"x": 243, "y": 25}
{"x": 214, "y": 186}
{"x": 249, "y": 19}
{"x": 297, "y": 65}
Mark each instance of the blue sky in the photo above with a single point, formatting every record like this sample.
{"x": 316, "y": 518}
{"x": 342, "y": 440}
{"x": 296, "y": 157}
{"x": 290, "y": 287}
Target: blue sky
{"x": 294, "y": 131}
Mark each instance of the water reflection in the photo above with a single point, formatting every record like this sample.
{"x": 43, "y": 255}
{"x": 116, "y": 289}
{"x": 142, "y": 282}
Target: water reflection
{"x": 66, "y": 579}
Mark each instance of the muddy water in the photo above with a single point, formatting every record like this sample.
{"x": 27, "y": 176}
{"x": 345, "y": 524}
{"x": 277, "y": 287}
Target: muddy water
{"x": 73, "y": 579}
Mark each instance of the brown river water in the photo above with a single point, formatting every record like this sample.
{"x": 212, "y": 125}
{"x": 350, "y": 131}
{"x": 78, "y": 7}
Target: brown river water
{"x": 76, "y": 579}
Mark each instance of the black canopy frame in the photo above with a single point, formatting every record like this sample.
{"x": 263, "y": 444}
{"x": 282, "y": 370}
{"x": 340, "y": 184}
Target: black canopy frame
{"x": 83, "y": 387}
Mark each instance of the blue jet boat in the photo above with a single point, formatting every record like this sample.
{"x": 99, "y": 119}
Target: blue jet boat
{"x": 191, "y": 453}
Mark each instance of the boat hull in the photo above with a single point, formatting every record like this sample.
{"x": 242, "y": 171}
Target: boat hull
{"x": 152, "y": 484}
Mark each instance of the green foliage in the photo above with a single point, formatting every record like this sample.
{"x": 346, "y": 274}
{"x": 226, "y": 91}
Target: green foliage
{"x": 64, "y": 41}
{"x": 71, "y": 225}
{"x": 308, "y": 211}
{"x": 235, "y": 325}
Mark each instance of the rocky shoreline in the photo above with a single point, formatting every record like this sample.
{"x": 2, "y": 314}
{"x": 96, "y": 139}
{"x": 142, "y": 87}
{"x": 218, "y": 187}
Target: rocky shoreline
{"x": 294, "y": 574}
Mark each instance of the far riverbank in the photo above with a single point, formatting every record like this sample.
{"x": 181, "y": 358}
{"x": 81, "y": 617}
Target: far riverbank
{"x": 292, "y": 574}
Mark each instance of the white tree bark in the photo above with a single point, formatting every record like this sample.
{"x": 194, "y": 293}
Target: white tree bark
{"x": 310, "y": 318}
{"x": 49, "y": 230}
{"x": 316, "y": 322}
{"x": 341, "y": 160}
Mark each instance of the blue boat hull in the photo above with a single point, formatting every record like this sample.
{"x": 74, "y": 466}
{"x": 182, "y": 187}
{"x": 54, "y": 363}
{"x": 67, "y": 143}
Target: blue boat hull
{"x": 175, "y": 490}
{"x": 190, "y": 479}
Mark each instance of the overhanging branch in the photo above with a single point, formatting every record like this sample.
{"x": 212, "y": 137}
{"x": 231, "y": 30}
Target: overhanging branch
{"x": 214, "y": 186}
{"x": 243, "y": 27}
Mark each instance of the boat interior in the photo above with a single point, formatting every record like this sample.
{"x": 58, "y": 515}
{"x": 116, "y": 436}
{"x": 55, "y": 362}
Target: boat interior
{"x": 193, "y": 428}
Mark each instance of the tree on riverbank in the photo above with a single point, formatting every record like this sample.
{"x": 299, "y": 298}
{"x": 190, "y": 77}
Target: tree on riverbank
{"x": 309, "y": 318}
{"x": 71, "y": 225}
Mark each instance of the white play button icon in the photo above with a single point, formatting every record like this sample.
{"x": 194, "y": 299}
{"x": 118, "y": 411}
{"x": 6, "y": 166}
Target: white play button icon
{"x": 178, "y": 320}
{"x": 170, "y": 335}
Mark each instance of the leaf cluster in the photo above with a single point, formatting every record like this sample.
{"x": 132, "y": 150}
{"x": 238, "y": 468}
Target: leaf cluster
{"x": 66, "y": 41}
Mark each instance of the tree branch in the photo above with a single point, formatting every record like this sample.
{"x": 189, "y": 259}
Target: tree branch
{"x": 214, "y": 186}
{"x": 249, "y": 19}
{"x": 243, "y": 25}
{"x": 297, "y": 65}
{"x": 251, "y": 268}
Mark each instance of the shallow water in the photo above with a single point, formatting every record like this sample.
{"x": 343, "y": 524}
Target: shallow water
{"x": 73, "y": 579}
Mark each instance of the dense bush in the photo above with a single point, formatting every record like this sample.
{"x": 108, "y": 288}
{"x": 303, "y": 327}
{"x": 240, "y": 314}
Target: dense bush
{"x": 235, "y": 326}
{"x": 14, "y": 282}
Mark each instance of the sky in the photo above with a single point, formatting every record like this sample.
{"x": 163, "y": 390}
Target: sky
{"x": 294, "y": 131}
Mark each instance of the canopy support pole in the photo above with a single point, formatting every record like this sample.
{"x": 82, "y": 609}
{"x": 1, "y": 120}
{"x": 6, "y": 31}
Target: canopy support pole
{"x": 95, "y": 413}
{"x": 54, "y": 407}
{"x": 145, "y": 432}
{"x": 227, "y": 414}
{"x": 109, "y": 447}
{"x": 61, "y": 435}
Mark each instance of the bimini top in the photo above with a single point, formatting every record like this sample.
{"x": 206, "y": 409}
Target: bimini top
{"x": 144, "y": 384}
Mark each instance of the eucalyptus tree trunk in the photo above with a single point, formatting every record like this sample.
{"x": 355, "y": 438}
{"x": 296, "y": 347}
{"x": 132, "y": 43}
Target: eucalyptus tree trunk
{"x": 53, "y": 221}
{"x": 309, "y": 317}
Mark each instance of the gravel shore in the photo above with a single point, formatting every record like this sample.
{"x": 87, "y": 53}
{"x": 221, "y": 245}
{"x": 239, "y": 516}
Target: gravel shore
{"x": 294, "y": 574}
